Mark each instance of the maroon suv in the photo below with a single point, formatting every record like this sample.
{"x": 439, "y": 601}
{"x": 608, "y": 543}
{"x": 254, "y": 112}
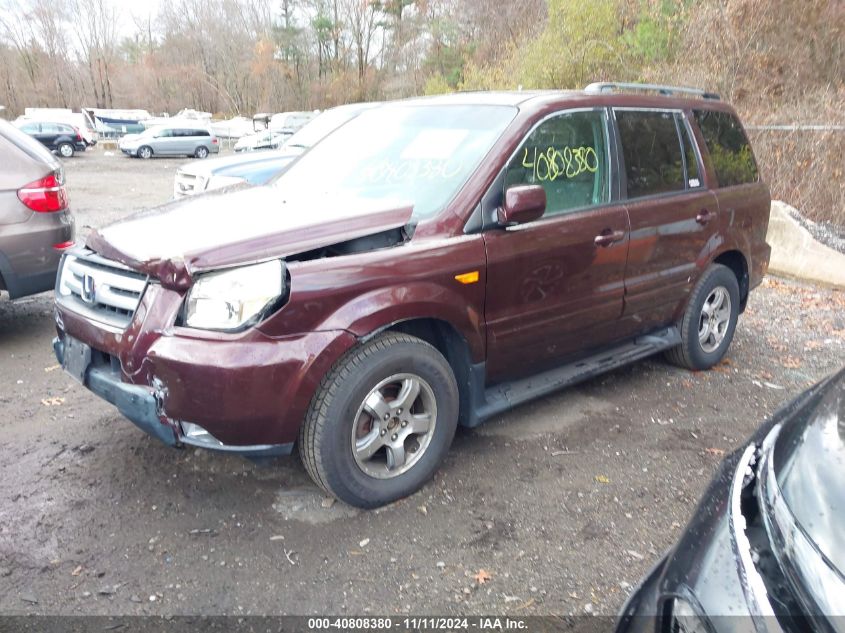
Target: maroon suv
{"x": 434, "y": 262}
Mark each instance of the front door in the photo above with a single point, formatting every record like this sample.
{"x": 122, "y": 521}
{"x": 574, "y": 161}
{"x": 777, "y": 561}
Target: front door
{"x": 555, "y": 286}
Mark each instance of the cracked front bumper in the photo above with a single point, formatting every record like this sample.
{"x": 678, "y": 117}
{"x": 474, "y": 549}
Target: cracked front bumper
{"x": 141, "y": 406}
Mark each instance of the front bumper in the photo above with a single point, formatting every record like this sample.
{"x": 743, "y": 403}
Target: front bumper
{"x": 142, "y": 406}
{"x": 703, "y": 570}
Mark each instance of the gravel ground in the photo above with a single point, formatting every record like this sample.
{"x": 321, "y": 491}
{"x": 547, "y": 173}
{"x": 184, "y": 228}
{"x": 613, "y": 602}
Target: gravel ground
{"x": 557, "y": 507}
{"x": 827, "y": 233}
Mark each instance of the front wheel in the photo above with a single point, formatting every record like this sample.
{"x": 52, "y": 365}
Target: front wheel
{"x": 709, "y": 323}
{"x": 381, "y": 422}
{"x": 145, "y": 152}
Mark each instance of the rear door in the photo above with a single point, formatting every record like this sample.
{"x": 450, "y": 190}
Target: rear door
{"x": 48, "y": 134}
{"x": 744, "y": 202}
{"x": 555, "y": 285}
{"x": 673, "y": 215}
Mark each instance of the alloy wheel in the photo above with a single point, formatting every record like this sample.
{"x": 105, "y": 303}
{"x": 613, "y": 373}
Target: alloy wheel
{"x": 715, "y": 319}
{"x": 394, "y": 426}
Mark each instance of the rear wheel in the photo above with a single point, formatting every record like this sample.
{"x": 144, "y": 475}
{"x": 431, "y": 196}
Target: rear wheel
{"x": 145, "y": 151}
{"x": 709, "y": 323}
{"x": 65, "y": 150}
{"x": 381, "y": 422}
{"x": 201, "y": 152}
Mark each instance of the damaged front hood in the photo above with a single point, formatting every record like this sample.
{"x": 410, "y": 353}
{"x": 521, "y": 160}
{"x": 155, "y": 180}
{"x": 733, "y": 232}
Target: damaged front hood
{"x": 217, "y": 230}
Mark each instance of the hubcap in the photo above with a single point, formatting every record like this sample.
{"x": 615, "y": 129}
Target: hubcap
{"x": 65, "y": 151}
{"x": 394, "y": 426}
{"x": 715, "y": 319}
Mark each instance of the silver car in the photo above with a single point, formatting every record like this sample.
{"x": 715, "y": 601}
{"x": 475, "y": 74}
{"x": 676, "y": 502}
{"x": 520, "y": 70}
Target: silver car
{"x": 36, "y": 226}
{"x": 170, "y": 140}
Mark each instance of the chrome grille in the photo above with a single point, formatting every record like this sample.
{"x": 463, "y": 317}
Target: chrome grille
{"x": 99, "y": 288}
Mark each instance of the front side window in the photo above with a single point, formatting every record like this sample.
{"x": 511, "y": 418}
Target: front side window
{"x": 567, "y": 156}
{"x": 728, "y": 146}
{"x": 651, "y": 150}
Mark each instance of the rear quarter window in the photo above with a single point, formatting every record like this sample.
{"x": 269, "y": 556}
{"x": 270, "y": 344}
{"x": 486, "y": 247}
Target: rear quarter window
{"x": 730, "y": 151}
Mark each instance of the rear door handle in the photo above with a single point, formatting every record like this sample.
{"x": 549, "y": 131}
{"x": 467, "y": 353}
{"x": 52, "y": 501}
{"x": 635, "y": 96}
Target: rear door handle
{"x": 704, "y": 216}
{"x": 608, "y": 237}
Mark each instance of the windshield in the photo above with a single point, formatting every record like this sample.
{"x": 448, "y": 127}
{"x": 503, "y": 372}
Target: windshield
{"x": 401, "y": 154}
{"x": 809, "y": 465}
{"x": 326, "y": 123}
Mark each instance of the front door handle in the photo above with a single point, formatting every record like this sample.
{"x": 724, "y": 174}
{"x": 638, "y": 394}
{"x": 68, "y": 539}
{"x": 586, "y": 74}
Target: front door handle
{"x": 704, "y": 216}
{"x": 608, "y": 237}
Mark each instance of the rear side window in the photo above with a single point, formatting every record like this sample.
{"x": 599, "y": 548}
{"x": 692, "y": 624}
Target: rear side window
{"x": 651, "y": 149}
{"x": 728, "y": 146}
{"x": 193, "y": 133}
{"x": 567, "y": 156}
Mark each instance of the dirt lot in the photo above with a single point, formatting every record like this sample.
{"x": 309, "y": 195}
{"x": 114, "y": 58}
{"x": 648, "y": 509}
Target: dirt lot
{"x": 564, "y": 503}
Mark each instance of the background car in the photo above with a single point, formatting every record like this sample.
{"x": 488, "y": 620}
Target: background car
{"x": 35, "y": 223}
{"x": 262, "y": 140}
{"x": 58, "y": 137}
{"x": 256, "y": 168}
{"x": 170, "y": 140}
{"x": 765, "y": 550}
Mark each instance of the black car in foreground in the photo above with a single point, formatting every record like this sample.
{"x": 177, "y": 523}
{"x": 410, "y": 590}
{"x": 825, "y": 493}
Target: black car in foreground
{"x": 765, "y": 549}
{"x": 61, "y": 138}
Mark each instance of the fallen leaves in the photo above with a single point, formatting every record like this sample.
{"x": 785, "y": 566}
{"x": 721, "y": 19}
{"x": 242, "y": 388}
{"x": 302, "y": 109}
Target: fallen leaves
{"x": 716, "y": 452}
{"x": 791, "y": 362}
{"x": 53, "y": 402}
{"x": 482, "y": 576}
{"x": 602, "y": 479}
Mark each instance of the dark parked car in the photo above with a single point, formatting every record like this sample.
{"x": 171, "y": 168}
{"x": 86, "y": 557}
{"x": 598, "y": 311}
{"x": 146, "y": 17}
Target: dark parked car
{"x": 765, "y": 549}
{"x": 431, "y": 263}
{"x": 62, "y": 138}
{"x": 36, "y": 226}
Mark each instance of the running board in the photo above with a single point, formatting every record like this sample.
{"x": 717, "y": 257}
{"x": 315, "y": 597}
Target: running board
{"x": 504, "y": 396}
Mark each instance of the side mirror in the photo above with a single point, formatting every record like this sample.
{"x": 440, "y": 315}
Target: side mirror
{"x": 524, "y": 203}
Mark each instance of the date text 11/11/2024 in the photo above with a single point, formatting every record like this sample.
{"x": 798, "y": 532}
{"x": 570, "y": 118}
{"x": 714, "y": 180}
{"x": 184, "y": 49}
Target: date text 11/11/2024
{"x": 432, "y": 623}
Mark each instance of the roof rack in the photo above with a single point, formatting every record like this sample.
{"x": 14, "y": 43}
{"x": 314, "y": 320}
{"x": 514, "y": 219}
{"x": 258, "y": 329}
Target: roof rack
{"x": 612, "y": 86}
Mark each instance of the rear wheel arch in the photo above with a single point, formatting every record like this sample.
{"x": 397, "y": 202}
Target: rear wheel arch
{"x": 738, "y": 264}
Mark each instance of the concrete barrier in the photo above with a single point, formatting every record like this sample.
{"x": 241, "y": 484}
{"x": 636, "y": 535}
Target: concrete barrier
{"x": 796, "y": 253}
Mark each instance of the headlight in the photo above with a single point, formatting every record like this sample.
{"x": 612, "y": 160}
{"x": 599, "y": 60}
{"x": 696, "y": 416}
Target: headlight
{"x": 684, "y": 619}
{"x": 231, "y": 299}
{"x": 218, "y": 182}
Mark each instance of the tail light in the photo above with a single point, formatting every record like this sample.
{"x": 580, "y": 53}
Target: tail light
{"x": 214, "y": 140}
{"x": 78, "y": 135}
{"x": 46, "y": 195}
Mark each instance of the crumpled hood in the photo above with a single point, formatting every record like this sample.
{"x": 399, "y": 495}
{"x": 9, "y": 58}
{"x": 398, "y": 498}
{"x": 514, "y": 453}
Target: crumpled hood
{"x": 237, "y": 226}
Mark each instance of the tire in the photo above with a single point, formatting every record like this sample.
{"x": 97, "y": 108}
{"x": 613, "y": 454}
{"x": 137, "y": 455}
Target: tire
{"x": 201, "y": 152}
{"x": 358, "y": 458}
{"x": 145, "y": 151}
{"x": 705, "y": 344}
{"x": 65, "y": 150}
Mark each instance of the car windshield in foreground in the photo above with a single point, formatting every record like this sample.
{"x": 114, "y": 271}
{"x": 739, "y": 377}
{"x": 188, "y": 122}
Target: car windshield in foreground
{"x": 809, "y": 464}
{"x": 418, "y": 155}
